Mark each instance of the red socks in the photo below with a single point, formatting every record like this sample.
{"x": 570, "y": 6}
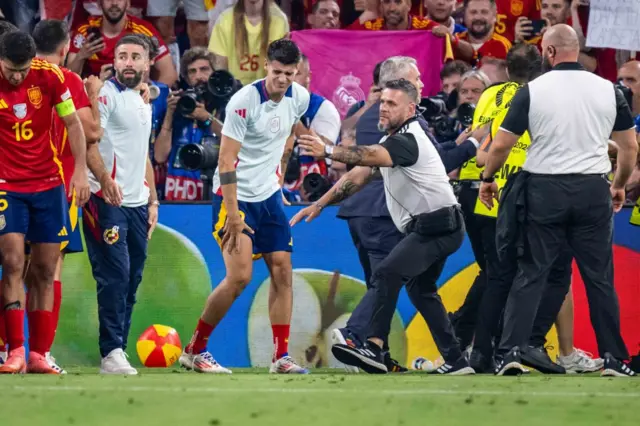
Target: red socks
{"x": 40, "y": 331}
{"x": 3, "y": 332}
{"x": 200, "y": 338}
{"x": 14, "y": 323}
{"x": 280, "y": 340}
{"x": 55, "y": 315}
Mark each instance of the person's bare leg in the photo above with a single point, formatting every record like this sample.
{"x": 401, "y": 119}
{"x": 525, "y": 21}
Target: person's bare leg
{"x": 564, "y": 325}
{"x": 280, "y": 291}
{"x": 198, "y": 32}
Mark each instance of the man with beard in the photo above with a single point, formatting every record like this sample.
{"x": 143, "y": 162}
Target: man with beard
{"x": 92, "y": 44}
{"x": 123, "y": 209}
{"x": 480, "y": 20}
{"x": 567, "y": 198}
{"x": 325, "y": 15}
{"x": 509, "y": 11}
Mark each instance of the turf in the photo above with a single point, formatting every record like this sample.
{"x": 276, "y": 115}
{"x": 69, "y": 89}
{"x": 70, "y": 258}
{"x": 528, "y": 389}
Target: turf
{"x": 252, "y": 397}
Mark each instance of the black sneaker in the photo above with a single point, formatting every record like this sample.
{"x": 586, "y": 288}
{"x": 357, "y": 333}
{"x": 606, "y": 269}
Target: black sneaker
{"x": 393, "y": 366}
{"x": 459, "y": 368}
{"x": 537, "y": 357}
{"x": 342, "y": 336}
{"x": 480, "y": 363}
{"x": 614, "y": 368}
{"x": 369, "y": 357}
{"x": 510, "y": 364}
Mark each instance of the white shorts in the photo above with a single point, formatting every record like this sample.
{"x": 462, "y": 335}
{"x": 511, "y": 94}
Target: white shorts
{"x": 194, "y": 9}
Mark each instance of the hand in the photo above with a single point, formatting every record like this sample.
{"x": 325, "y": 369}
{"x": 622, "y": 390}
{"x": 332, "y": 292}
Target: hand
{"x": 145, "y": 93}
{"x": 618, "y": 196}
{"x": 312, "y": 145}
{"x": 90, "y": 47}
{"x": 106, "y": 72}
{"x": 80, "y": 184}
{"x": 374, "y": 95}
{"x": 233, "y": 228}
{"x": 93, "y": 85}
{"x": 152, "y": 220}
{"x": 172, "y": 101}
{"x": 440, "y": 31}
{"x": 481, "y": 132}
{"x": 487, "y": 193}
{"x": 308, "y": 214}
{"x": 111, "y": 191}
{"x": 463, "y": 136}
{"x": 523, "y": 28}
{"x": 200, "y": 113}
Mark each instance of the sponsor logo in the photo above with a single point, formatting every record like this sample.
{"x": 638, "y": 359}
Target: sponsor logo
{"x": 20, "y": 110}
{"x": 35, "y": 96}
{"x": 242, "y": 113}
{"x": 63, "y": 232}
{"x": 111, "y": 235}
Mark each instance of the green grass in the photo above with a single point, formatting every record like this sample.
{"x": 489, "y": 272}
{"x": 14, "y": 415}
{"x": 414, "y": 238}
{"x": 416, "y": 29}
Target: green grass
{"x": 251, "y": 397}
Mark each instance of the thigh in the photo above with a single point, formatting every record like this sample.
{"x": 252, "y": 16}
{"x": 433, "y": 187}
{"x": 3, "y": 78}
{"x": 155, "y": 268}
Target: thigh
{"x": 14, "y": 213}
{"x": 137, "y": 232}
{"x": 426, "y": 282}
{"x": 195, "y": 10}
{"x": 247, "y": 212}
{"x": 106, "y": 232}
{"x": 156, "y": 8}
{"x": 48, "y": 217}
{"x": 274, "y": 232}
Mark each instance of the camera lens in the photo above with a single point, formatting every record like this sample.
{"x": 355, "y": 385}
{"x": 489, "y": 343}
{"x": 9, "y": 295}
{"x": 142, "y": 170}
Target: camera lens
{"x": 186, "y": 104}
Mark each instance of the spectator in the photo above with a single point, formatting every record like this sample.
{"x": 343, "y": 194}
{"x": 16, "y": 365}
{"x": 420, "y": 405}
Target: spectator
{"x": 241, "y": 35}
{"x": 440, "y": 11}
{"x": 324, "y": 15}
{"x": 322, "y": 118}
{"x": 163, "y": 13}
{"x": 93, "y": 44}
{"x": 508, "y": 12}
{"x": 471, "y": 87}
{"x": 180, "y": 129}
{"x": 495, "y": 69}
{"x": 480, "y": 20}
{"x": 395, "y": 17}
{"x": 84, "y": 9}
{"x": 629, "y": 75}
{"x": 451, "y": 74}
{"x": 556, "y": 12}
{"x": 359, "y": 108}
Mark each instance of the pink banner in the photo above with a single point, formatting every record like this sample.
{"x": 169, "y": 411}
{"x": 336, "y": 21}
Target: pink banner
{"x": 342, "y": 61}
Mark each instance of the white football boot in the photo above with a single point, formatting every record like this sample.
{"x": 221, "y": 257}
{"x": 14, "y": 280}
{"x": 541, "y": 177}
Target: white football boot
{"x": 202, "y": 363}
{"x": 52, "y": 363}
{"x": 286, "y": 365}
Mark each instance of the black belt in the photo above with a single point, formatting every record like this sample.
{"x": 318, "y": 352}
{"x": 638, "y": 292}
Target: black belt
{"x": 439, "y": 222}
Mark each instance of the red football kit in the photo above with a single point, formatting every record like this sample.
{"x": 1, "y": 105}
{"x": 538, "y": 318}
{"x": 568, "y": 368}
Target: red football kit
{"x": 510, "y": 10}
{"x": 106, "y": 56}
{"x": 496, "y": 47}
{"x": 27, "y": 154}
{"x": 59, "y": 130}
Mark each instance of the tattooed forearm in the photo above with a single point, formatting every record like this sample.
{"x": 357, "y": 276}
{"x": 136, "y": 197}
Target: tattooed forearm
{"x": 355, "y": 155}
{"x": 343, "y": 191}
{"x": 284, "y": 162}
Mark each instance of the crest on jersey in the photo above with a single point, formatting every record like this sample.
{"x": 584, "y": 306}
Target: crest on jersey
{"x": 35, "y": 96}
{"x": 111, "y": 235}
{"x": 78, "y": 41}
{"x": 347, "y": 93}
{"x": 274, "y": 125}
{"x": 3, "y": 222}
{"x": 517, "y": 6}
{"x": 20, "y": 110}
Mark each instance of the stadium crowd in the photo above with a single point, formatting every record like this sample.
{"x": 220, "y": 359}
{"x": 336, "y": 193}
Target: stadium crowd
{"x": 202, "y": 52}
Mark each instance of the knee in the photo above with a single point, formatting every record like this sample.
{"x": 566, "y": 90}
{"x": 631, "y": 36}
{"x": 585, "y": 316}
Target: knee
{"x": 13, "y": 263}
{"x": 198, "y": 31}
{"x": 281, "y": 275}
{"x": 42, "y": 273}
{"x": 239, "y": 280}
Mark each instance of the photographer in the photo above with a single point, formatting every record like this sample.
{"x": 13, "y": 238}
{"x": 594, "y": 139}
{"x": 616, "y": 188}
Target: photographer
{"x": 181, "y": 127}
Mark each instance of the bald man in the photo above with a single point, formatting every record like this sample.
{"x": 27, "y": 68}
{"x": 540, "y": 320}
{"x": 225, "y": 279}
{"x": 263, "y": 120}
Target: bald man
{"x": 570, "y": 115}
{"x": 629, "y": 75}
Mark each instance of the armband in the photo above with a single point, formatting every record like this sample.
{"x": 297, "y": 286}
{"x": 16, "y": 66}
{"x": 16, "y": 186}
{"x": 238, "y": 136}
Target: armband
{"x": 65, "y": 108}
{"x": 228, "y": 178}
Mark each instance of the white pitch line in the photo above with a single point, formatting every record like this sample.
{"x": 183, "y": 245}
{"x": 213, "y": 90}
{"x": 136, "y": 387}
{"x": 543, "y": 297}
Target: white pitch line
{"x": 177, "y": 389}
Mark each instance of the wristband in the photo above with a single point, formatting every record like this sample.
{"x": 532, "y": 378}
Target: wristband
{"x": 328, "y": 150}
{"x": 489, "y": 179}
{"x": 154, "y": 203}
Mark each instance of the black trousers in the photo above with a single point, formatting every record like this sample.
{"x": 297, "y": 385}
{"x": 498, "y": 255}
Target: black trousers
{"x": 374, "y": 238}
{"x": 573, "y": 209}
{"x": 482, "y": 235}
{"x": 418, "y": 260}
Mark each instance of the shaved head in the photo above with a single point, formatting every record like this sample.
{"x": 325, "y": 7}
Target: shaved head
{"x": 559, "y": 44}
{"x": 629, "y": 75}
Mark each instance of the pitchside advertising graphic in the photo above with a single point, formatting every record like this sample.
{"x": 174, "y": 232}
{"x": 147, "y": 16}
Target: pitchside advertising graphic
{"x": 184, "y": 264}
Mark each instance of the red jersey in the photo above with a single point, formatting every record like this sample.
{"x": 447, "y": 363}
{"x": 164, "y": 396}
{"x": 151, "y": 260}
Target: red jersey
{"x": 496, "y": 47}
{"x": 28, "y": 156}
{"x": 59, "y": 130}
{"x": 133, "y": 26}
{"x": 510, "y": 10}
{"x": 415, "y": 23}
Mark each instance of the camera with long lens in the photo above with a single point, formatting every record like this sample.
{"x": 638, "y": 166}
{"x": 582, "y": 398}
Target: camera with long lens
{"x": 315, "y": 185}
{"x": 437, "y": 109}
{"x": 214, "y": 94}
{"x": 200, "y": 156}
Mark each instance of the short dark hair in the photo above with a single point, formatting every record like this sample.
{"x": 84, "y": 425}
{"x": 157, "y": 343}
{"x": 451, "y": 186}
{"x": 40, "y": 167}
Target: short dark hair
{"x": 454, "y": 67}
{"x": 195, "y": 54}
{"x": 466, "y": 3}
{"x": 49, "y": 35}
{"x": 376, "y": 74}
{"x": 152, "y": 44}
{"x": 17, "y": 47}
{"x": 284, "y": 51}
{"x": 133, "y": 39}
{"x": 524, "y": 62}
{"x": 6, "y": 27}
{"x": 316, "y": 5}
{"x": 404, "y": 86}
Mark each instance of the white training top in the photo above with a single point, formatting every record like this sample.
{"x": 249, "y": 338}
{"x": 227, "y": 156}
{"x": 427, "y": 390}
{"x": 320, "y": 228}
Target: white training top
{"x": 262, "y": 126}
{"x": 126, "y": 121}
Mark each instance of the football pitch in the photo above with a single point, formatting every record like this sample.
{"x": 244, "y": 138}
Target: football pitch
{"x": 325, "y": 397}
